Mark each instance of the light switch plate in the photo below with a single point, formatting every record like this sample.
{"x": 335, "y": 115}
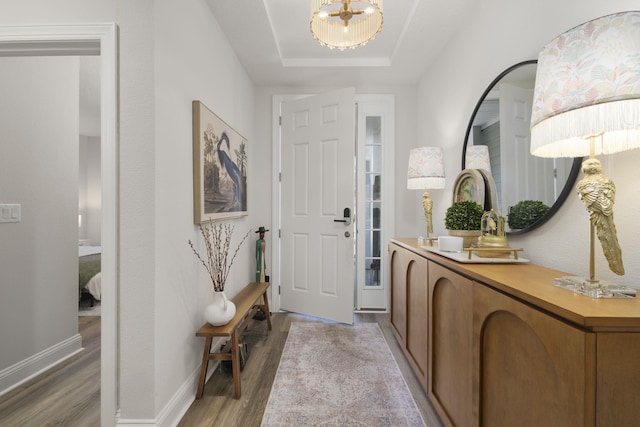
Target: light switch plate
{"x": 10, "y": 213}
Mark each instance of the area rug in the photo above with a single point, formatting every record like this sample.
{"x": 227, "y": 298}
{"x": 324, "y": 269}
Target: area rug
{"x": 339, "y": 375}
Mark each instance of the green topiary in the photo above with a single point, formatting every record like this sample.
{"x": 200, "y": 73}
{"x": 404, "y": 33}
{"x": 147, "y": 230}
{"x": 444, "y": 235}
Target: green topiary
{"x": 525, "y": 213}
{"x": 465, "y": 215}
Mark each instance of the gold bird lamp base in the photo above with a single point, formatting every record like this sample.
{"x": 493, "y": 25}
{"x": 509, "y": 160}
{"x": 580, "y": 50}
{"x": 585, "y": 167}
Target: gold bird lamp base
{"x": 427, "y": 206}
{"x": 592, "y": 287}
{"x": 598, "y": 193}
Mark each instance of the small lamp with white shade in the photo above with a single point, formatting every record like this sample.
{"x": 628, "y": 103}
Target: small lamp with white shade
{"x": 587, "y": 103}
{"x": 425, "y": 172}
{"x": 477, "y": 157}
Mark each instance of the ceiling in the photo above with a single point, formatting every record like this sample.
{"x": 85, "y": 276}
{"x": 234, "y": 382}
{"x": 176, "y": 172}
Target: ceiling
{"x": 272, "y": 41}
{"x": 274, "y": 44}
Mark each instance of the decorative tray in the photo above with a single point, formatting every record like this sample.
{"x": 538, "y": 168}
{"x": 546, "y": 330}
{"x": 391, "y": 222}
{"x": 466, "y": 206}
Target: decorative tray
{"x": 463, "y": 257}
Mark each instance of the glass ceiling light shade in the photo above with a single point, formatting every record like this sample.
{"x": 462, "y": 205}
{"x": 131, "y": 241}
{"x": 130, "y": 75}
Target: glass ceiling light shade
{"x": 587, "y": 102}
{"x": 345, "y": 24}
{"x": 477, "y": 157}
{"x": 587, "y": 84}
{"x": 426, "y": 171}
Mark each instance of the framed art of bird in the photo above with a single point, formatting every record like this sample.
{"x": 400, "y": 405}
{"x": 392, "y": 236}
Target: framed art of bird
{"x": 219, "y": 167}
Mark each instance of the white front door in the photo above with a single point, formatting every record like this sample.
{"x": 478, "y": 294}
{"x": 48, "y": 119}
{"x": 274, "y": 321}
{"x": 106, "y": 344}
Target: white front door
{"x": 317, "y": 186}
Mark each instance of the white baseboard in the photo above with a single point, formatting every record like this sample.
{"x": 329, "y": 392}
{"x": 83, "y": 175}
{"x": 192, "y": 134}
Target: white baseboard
{"x": 136, "y": 422}
{"x": 21, "y": 372}
{"x": 178, "y": 405}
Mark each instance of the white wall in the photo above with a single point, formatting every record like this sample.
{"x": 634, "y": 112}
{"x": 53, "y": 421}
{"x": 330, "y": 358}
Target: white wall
{"x": 94, "y": 192}
{"x": 193, "y": 61}
{"x": 39, "y": 171}
{"x": 170, "y": 53}
{"x": 502, "y": 33}
{"x": 89, "y": 190}
{"x": 82, "y": 188}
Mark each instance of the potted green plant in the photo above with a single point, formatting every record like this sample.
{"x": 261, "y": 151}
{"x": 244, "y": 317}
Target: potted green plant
{"x": 463, "y": 219}
{"x": 525, "y": 213}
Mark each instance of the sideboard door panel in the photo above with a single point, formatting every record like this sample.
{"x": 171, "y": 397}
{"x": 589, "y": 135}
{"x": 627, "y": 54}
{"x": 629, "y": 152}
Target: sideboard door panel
{"x": 451, "y": 345}
{"x": 532, "y": 369}
{"x": 417, "y": 312}
{"x": 618, "y": 379}
{"x": 399, "y": 260}
{"x": 409, "y": 313}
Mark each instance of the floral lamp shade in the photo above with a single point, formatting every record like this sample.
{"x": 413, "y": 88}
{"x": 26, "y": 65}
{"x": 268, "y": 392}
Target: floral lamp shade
{"x": 588, "y": 84}
{"x": 477, "y": 157}
{"x": 426, "y": 169}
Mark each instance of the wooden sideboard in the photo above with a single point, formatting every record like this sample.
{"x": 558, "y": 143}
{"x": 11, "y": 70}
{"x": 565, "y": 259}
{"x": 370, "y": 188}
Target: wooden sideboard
{"x": 500, "y": 345}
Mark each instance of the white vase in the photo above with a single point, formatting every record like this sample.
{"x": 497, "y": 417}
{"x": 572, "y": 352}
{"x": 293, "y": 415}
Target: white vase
{"x": 220, "y": 311}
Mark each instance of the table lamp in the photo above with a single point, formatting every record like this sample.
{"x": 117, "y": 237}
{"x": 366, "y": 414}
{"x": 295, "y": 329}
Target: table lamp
{"x": 426, "y": 171}
{"x": 477, "y": 157}
{"x": 587, "y": 102}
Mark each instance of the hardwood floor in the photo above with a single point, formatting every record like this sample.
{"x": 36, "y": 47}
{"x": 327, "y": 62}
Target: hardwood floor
{"x": 218, "y": 407}
{"x": 67, "y": 395}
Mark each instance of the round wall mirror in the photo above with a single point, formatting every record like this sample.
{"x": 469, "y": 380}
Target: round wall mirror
{"x": 500, "y": 121}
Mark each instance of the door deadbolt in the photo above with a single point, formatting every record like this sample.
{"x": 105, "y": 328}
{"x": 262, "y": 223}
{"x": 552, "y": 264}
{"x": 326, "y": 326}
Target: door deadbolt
{"x": 347, "y": 217}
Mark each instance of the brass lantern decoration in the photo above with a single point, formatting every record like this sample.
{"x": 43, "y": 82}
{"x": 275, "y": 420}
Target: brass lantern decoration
{"x": 493, "y": 235}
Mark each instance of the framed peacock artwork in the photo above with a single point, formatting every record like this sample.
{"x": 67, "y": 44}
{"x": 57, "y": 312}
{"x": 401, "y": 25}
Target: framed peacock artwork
{"x": 219, "y": 168}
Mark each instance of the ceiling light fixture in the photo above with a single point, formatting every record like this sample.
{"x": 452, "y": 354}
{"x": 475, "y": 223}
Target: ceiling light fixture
{"x": 345, "y": 24}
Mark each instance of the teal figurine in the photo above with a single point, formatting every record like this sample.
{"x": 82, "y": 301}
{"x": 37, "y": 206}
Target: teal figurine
{"x": 260, "y": 261}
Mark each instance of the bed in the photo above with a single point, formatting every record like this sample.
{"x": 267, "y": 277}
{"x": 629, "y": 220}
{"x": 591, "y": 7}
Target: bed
{"x": 89, "y": 277}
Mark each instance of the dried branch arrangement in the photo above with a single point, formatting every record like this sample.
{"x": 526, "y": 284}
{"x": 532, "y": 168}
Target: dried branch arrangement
{"x": 217, "y": 240}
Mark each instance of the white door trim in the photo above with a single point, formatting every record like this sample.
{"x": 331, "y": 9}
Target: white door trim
{"x": 77, "y": 40}
{"x": 383, "y": 105}
{"x": 387, "y": 104}
{"x": 274, "y": 278}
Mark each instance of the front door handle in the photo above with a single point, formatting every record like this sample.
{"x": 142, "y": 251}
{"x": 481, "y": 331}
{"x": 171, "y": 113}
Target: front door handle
{"x": 346, "y": 216}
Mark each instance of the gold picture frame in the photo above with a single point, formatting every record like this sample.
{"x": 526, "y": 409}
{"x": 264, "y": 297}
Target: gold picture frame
{"x": 219, "y": 168}
{"x": 490, "y": 191}
{"x": 469, "y": 185}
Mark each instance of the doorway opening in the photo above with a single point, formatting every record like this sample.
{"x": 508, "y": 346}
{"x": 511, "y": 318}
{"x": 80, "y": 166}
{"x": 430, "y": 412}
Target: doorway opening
{"x": 81, "y": 40}
{"x": 374, "y": 205}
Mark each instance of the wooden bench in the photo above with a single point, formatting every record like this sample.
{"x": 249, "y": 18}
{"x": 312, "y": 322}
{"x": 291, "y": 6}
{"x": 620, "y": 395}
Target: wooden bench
{"x": 246, "y": 306}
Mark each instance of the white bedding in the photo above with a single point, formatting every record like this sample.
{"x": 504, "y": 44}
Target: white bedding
{"x": 94, "y": 286}
{"x": 89, "y": 250}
